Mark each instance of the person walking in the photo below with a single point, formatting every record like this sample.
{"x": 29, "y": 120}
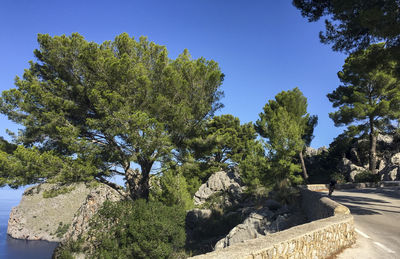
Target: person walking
{"x": 332, "y": 185}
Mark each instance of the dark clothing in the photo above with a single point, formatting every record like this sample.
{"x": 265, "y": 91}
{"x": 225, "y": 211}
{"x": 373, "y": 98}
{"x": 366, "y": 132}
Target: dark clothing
{"x": 332, "y": 184}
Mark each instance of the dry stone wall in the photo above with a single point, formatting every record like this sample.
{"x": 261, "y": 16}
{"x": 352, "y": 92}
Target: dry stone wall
{"x": 331, "y": 230}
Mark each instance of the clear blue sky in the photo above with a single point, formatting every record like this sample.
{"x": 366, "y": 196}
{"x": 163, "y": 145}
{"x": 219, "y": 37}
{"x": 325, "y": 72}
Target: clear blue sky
{"x": 263, "y": 47}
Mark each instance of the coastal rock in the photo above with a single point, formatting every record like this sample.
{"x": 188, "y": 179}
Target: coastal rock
{"x": 94, "y": 200}
{"x": 219, "y": 182}
{"x": 39, "y": 218}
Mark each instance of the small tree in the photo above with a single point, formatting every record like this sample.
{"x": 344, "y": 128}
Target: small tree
{"x": 287, "y": 126}
{"x": 369, "y": 96}
{"x": 92, "y": 111}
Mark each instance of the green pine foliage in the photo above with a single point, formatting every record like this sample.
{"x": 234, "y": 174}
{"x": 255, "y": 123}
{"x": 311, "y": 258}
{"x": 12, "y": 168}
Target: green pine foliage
{"x": 92, "y": 110}
{"x": 172, "y": 190}
{"x": 287, "y": 127}
{"x": 355, "y": 24}
{"x": 369, "y": 98}
{"x": 137, "y": 230}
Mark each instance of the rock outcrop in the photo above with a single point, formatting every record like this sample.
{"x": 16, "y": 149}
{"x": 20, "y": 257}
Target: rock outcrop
{"x": 261, "y": 222}
{"x": 93, "y": 202}
{"x": 255, "y": 225}
{"x": 39, "y": 218}
{"x": 64, "y": 216}
{"x": 350, "y": 169}
{"x": 220, "y": 182}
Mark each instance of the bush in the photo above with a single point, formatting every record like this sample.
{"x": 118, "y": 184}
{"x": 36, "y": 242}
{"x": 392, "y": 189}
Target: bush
{"x": 338, "y": 177}
{"x": 284, "y": 193}
{"x": 58, "y": 190}
{"x": 137, "y": 230}
{"x": 366, "y": 177}
{"x": 172, "y": 190}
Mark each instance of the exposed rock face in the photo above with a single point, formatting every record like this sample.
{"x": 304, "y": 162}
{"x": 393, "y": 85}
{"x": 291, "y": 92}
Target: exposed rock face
{"x": 219, "y": 182}
{"x": 39, "y": 218}
{"x": 395, "y": 159}
{"x": 384, "y": 139}
{"x": 255, "y": 225}
{"x": 260, "y": 223}
{"x": 94, "y": 200}
{"x": 351, "y": 169}
{"x": 310, "y": 152}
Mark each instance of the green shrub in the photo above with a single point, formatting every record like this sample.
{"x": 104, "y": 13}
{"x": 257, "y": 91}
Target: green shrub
{"x": 137, "y": 230}
{"x": 61, "y": 229}
{"x": 284, "y": 193}
{"x": 171, "y": 189}
{"x": 366, "y": 177}
{"x": 54, "y": 192}
{"x": 338, "y": 177}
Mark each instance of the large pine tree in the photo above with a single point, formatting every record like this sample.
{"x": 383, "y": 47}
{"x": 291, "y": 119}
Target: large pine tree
{"x": 370, "y": 95}
{"x": 90, "y": 111}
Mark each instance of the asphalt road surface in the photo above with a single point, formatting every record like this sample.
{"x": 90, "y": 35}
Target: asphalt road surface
{"x": 376, "y": 214}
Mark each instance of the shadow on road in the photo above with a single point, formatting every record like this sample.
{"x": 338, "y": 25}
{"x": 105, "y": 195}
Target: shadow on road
{"x": 368, "y": 206}
{"x": 390, "y": 192}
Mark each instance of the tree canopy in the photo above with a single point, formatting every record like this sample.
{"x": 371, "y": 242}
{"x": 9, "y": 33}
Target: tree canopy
{"x": 98, "y": 109}
{"x": 370, "y": 95}
{"x": 288, "y": 127}
{"x": 355, "y": 24}
{"x": 223, "y": 141}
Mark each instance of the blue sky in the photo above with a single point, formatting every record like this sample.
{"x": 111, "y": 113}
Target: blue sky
{"x": 263, "y": 47}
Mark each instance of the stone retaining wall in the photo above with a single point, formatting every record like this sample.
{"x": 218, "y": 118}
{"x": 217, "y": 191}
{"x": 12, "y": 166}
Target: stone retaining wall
{"x": 316, "y": 206}
{"x": 343, "y": 186}
{"x": 331, "y": 231}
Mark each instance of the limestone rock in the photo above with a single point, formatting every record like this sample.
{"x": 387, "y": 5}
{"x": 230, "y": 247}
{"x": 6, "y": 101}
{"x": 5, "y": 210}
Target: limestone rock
{"x": 350, "y": 169}
{"x": 395, "y": 159}
{"x": 219, "y": 182}
{"x": 39, "y": 218}
{"x": 94, "y": 200}
{"x": 390, "y": 173}
{"x": 385, "y": 139}
{"x": 381, "y": 164}
{"x": 255, "y": 225}
{"x": 309, "y": 151}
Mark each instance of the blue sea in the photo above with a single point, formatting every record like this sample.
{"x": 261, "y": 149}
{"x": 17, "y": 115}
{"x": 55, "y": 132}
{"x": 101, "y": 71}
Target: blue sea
{"x": 11, "y": 248}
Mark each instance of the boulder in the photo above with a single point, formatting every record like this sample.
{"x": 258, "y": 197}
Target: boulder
{"x": 219, "y": 182}
{"x": 384, "y": 139}
{"x": 395, "y": 159}
{"x": 390, "y": 173}
{"x": 39, "y": 218}
{"x": 350, "y": 169}
{"x": 255, "y": 225}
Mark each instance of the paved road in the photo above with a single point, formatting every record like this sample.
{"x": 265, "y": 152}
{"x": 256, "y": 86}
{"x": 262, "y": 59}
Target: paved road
{"x": 376, "y": 214}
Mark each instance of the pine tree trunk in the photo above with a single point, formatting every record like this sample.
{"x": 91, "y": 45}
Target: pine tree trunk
{"x": 138, "y": 182}
{"x": 372, "y": 147}
{"x": 303, "y": 166}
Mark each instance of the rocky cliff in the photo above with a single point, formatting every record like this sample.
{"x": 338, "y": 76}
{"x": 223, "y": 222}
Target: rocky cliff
{"x": 40, "y": 216}
{"x": 56, "y": 212}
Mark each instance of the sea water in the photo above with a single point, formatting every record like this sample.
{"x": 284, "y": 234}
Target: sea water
{"x": 11, "y": 248}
